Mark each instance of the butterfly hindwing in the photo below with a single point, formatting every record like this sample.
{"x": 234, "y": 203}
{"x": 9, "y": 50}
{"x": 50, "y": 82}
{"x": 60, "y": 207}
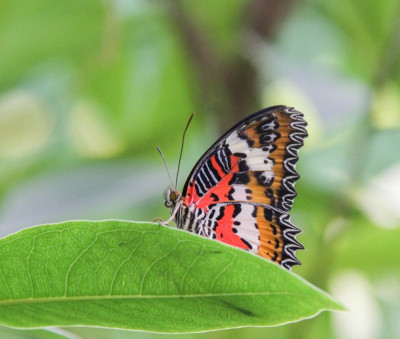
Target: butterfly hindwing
{"x": 256, "y": 228}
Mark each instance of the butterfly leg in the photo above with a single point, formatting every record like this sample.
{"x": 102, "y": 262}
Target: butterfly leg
{"x": 166, "y": 222}
{"x": 162, "y": 222}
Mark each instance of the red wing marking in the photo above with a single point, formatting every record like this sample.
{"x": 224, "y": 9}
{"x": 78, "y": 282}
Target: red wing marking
{"x": 223, "y": 230}
{"x": 259, "y": 229}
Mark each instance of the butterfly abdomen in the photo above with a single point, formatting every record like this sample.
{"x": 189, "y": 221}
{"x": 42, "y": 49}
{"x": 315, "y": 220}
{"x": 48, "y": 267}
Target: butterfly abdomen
{"x": 189, "y": 217}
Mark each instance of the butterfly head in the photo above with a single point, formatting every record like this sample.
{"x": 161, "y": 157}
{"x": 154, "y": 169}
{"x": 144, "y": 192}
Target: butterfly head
{"x": 172, "y": 197}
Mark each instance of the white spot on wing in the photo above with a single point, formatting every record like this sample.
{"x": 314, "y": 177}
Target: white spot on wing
{"x": 236, "y": 144}
{"x": 255, "y": 160}
{"x": 247, "y": 229}
{"x": 240, "y": 193}
{"x": 255, "y": 156}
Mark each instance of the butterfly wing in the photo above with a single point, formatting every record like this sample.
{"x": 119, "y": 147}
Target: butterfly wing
{"x": 253, "y": 164}
{"x": 256, "y": 228}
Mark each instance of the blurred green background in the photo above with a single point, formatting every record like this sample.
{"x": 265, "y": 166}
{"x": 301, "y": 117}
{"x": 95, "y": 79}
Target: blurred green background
{"x": 89, "y": 88}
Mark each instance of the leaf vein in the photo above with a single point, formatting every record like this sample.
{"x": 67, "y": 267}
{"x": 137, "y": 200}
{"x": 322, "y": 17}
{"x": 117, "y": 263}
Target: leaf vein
{"x": 5, "y": 283}
{"x": 189, "y": 267}
{"x": 75, "y": 261}
{"x": 149, "y": 296}
{"x": 124, "y": 262}
{"x": 28, "y": 270}
{"x": 221, "y": 272}
{"x": 154, "y": 262}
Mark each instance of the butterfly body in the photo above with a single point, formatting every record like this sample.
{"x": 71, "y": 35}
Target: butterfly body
{"x": 241, "y": 189}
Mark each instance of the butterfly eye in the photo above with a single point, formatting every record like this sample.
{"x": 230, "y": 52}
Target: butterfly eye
{"x": 174, "y": 196}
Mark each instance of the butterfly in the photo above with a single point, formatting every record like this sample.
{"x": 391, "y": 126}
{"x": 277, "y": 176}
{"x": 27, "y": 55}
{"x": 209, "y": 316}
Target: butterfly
{"x": 242, "y": 188}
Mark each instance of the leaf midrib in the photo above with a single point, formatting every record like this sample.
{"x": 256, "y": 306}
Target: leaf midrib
{"x": 122, "y": 297}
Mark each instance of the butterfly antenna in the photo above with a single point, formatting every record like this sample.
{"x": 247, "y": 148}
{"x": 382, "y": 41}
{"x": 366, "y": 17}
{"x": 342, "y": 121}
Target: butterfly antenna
{"x": 166, "y": 166}
{"x": 180, "y": 155}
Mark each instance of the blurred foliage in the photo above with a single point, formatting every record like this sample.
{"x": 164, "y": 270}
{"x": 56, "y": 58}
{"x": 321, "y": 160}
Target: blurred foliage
{"x": 88, "y": 89}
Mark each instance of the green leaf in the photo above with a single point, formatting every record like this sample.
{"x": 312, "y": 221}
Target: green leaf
{"x": 144, "y": 276}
